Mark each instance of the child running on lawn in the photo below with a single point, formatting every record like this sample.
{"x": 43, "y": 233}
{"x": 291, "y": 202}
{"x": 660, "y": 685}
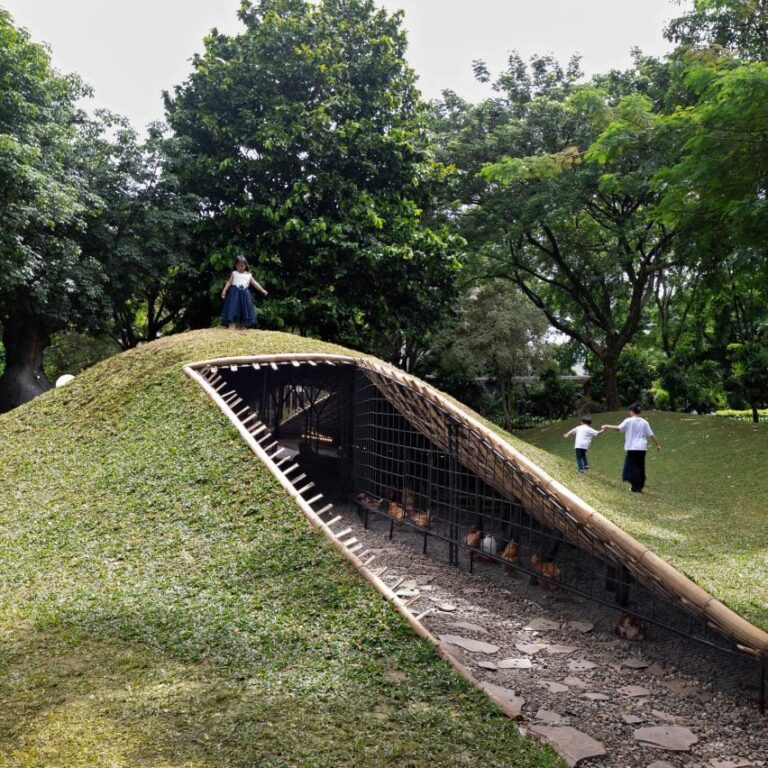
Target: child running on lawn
{"x": 584, "y": 434}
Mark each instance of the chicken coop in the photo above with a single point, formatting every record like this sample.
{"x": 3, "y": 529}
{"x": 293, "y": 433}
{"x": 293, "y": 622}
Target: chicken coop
{"x": 356, "y": 432}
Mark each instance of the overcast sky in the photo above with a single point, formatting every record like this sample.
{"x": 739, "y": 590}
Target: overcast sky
{"x": 131, "y": 50}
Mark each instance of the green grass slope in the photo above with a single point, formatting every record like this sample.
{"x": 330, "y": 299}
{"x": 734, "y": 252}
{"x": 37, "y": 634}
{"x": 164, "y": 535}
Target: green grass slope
{"x": 704, "y": 509}
{"x": 146, "y": 621}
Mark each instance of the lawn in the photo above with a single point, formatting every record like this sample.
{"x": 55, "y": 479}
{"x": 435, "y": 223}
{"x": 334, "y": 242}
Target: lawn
{"x": 704, "y": 509}
{"x": 146, "y": 620}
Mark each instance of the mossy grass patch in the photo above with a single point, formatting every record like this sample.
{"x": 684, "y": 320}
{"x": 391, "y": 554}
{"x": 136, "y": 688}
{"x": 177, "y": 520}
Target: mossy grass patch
{"x": 704, "y": 506}
{"x": 146, "y": 620}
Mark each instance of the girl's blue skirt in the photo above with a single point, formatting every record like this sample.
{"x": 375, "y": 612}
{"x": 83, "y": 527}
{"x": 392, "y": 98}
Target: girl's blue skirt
{"x": 238, "y": 307}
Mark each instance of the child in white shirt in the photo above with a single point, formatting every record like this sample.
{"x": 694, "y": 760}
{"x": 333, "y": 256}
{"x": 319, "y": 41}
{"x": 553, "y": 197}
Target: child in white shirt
{"x": 584, "y": 434}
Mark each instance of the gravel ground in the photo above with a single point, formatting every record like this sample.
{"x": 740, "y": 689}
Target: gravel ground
{"x": 579, "y": 675}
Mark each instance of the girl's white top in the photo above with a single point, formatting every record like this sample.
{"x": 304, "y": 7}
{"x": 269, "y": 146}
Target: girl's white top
{"x": 241, "y": 279}
{"x": 636, "y": 433}
{"x": 584, "y": 434}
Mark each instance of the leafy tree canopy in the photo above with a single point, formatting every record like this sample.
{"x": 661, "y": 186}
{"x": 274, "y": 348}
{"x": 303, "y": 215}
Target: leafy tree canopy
{"x": 572, "y": 229}
{"x": 305, "y": 138}
{"x": 45, "y": 279}
{"x": 738, "y": 27}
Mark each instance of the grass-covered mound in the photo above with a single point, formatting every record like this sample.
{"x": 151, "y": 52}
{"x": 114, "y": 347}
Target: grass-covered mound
{"x": 704, "y": 509}
{"x": 146, "y": 621}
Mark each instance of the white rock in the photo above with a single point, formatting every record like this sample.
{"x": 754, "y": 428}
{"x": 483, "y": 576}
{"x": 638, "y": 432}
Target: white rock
{"x": 561, "y": 649}
{"x": 547, "y": 716}
{"x": 475, "y": 646}
{"x": 471, "y": 627}
{"x": 581, "y": 626}
{"x": 634, "y": 690}
{"x": 530, "y": 648}
{"x": 552, "y": 686}
{"x": 671, "y": 737}
{"x": 580, "y": 665}
{"x": 515, "y": 664}
{"x": 541, "y": 625}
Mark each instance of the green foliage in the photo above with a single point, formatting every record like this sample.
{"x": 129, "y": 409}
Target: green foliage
{"x": 741, "y": 415}
{"x": 72, "y": 352}
{"x": 750, "y": 372}
{"x": 571, "y": 225}
{"x": 739, "y": 27}
{"x": 691, "y": 383}
{"x": 42, "y": 196}
{"x": 719, "y": 183}
{"x": 90, "y": 225}
{"x": 304, "y": 137}
{"x": 139, "y": 228}
{"x": 635, "y": 375}
{"x": 554, "y": 398}
{"x": 497, "y": 333}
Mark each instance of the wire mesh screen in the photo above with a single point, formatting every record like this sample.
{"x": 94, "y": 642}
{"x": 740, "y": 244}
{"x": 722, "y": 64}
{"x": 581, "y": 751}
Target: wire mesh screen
{"x": 455, "y": 487}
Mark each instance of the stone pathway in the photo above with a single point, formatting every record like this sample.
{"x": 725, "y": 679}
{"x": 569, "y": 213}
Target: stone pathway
{"x": 552, "y": 657}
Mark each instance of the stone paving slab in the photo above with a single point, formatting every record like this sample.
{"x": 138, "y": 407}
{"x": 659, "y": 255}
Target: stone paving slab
{"x": 572, "y": 745}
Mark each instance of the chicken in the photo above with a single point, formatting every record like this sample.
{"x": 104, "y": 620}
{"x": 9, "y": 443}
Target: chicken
{"x": 629, "y": 627}
{"x": 422, "y": 519}
{"x": 549, "y": 569}
{"x": 473, "y": 538}
{"x": 489, "y": 546}
{"x": 510, "y": 552}
{"x": 396, "y": 511}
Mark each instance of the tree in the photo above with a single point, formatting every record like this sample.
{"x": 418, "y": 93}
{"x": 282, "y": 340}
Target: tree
{"x": 304, "y": 136}
{"x": 140, "y": 229}
{"x": 554, "y": 397}
{"x": 45, "y": 281}
{"x": 750, "y": 373}
{"x": 713, "y": 190}
{"x": 500, "y": 334}
{"x": 571, "y": 227}
{"x": 739, "y": 27}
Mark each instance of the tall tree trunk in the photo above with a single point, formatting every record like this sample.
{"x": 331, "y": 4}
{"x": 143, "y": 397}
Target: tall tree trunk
{"x": 23, "y": 379}
{"x": 610, "y": 372}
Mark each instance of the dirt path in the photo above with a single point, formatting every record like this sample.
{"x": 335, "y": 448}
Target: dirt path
{"x": 558, "y": 654}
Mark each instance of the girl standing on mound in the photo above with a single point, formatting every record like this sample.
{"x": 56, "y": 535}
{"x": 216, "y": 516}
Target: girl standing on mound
{"x": 238, "y": 304}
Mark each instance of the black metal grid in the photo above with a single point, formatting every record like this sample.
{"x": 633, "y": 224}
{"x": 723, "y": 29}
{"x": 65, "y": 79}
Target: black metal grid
{"x": 401, "y": 474}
